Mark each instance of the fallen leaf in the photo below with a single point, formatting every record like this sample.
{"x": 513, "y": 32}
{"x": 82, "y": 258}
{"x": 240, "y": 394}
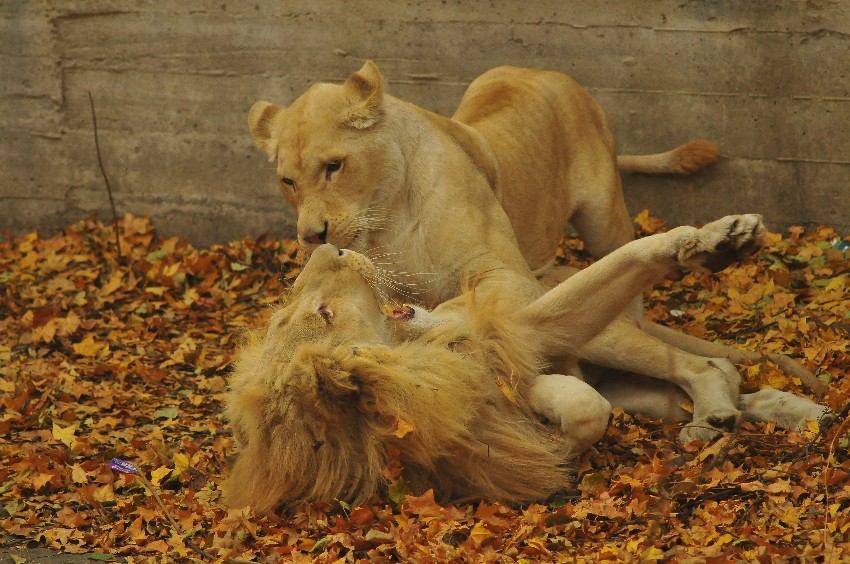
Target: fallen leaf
{"x": 402, "y": 428}
{"x": 65, "y": 435}
{"x": 158, "y": 474}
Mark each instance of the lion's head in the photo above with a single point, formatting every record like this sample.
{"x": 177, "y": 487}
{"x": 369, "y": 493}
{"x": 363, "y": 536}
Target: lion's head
{"x": 319, "y": 395}
{"x": 335, "y": 162}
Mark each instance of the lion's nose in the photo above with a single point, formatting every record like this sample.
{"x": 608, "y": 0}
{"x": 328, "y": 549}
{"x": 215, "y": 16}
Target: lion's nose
{"x": 316, "y": 237}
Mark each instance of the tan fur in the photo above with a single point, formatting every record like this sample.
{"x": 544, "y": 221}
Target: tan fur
{"x": 487, "y": 191}
{"x": 684, "y": 159}
{"x": 315, "y": 413}
{"x": 318, "y": 396}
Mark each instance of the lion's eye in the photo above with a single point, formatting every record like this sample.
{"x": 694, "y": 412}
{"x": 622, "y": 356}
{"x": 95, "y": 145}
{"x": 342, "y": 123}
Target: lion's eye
{"x": 288, "y": 181}
{"x": 325, "y": 313}
{"x": 331, "y": 168}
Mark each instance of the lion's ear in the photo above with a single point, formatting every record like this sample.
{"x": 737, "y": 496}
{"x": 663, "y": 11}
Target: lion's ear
{"x": 317, "y": 380}
{"x": 365, "y": 89}
{"x": 260, "y": 118}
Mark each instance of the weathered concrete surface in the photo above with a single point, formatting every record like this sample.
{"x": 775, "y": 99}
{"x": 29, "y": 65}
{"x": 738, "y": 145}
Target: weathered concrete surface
{"x": 173, "y": 81}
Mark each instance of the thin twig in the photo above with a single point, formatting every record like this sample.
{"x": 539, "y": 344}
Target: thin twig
{"x": 828, "y": 544}
{"x": 105, "y": 178}
{"x": 176, "y": 527}
{"x": 722, "y": 453}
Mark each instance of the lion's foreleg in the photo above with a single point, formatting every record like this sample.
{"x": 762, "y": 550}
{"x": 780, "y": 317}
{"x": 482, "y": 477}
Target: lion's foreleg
{"x": 578, "y": 410}
{"x": 581, "y": 315}
{"x": 580, "y": 307}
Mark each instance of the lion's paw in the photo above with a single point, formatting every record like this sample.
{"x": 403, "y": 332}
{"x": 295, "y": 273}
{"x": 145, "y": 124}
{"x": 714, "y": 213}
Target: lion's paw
{"x": 720, "y": 243}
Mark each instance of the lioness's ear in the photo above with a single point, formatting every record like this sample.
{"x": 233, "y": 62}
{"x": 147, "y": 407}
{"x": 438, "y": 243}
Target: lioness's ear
{"x": 260, "y": 118}
{"x": 365, "y": 89}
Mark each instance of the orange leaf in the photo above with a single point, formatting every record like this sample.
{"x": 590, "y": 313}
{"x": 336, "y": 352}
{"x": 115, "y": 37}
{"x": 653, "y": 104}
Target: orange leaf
{"x": 39, "y": 480}
{"x": 402, "y": 428}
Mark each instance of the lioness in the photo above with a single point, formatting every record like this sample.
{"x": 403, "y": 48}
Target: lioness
{"x": 331, "y": 382}
{"x": 367, "y": 171}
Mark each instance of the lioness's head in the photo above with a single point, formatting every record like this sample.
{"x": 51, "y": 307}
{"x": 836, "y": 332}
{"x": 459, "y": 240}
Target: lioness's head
{"x": 333, "y": 156}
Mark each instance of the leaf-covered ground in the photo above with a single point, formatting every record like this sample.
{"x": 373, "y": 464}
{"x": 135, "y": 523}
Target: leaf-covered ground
{"x": 127, "y": 358}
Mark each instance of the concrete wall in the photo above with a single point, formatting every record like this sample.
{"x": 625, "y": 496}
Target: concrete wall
{"x": 172, "y": 82}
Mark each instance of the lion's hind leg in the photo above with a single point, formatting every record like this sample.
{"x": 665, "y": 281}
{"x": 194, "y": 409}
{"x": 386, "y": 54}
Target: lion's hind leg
{"x": 577, "y": 409}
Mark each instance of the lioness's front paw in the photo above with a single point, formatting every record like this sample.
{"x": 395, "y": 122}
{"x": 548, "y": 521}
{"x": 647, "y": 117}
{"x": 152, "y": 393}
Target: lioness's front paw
{"x": 787, "y": 410}
{"x": 720, "y": 243}
{"x": 709, "y": 428}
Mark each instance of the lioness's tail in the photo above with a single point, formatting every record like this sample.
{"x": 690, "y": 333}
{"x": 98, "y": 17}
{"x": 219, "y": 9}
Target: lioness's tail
{"x": 684, "y": 159}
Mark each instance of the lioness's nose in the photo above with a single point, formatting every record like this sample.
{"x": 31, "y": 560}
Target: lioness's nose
{"x": 316, "y": 237}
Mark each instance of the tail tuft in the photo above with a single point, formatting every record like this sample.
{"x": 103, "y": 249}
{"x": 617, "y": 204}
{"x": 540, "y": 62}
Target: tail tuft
{"x": 684, "y": 159}
{"x": 693, "y": 156}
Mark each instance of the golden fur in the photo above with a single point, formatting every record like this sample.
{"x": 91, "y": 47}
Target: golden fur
{"x": 488, "y": 191}
{"x": 322, "y": 394}
{"x": 315, "y": 419}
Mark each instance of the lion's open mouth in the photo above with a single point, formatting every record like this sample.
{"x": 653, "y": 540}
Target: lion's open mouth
{"x": 399, "y": 311}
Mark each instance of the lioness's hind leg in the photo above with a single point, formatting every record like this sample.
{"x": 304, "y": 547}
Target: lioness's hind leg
{"x": 579, "y": 411}
{"x": 712, "y": 383}
{"x": 787, "y": 410}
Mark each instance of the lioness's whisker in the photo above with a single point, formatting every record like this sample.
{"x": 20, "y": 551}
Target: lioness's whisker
{"x": 402, "y": 272}
{"x": 380, "y": 292}
{"x": 291, "y": 248}
{"x": 407, "y": 293}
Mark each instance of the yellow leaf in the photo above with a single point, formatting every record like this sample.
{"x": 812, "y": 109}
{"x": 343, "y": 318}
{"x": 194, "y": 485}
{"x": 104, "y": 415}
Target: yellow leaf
{"x": 78, "y": 474}
{"x": 65, "y": 435}
{"x": 104, "y": 493}
{"x": 6, "y": 386}
{"x": 88, "y": 347}
{"x": 181, "y": 463}
{"x": 724, "y": 539}
{"x": 780, "y": 486}
{"x": 791, "y": 517}
{"x": 506, "y": 389}
{"x": 66, "y": 326}
{"x": 653, "y": 553}
{"x": 156, "y": 290}
{"x": 480, "y": 533}
{"x": 647, "y": 222}
{"x": 402, "y": 428}
{"x": 158, "y": 474}
{"x": 115, "y": 281}
{"x": 190, "y": 296}
{"x": 170, "y": 270}
{"x": 837, "y": 283}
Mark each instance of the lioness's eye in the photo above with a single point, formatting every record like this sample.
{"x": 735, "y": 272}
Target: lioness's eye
{"x": 288, "y": 182}
{"x": 331, "y": 168}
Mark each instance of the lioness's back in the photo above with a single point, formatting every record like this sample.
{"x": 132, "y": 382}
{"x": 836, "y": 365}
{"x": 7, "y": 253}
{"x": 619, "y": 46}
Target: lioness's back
{"x": 554, "y": 148}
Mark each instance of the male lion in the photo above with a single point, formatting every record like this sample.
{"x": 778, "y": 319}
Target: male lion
{"x": 370, "y": 172}
{"x": 331, "y": 382}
